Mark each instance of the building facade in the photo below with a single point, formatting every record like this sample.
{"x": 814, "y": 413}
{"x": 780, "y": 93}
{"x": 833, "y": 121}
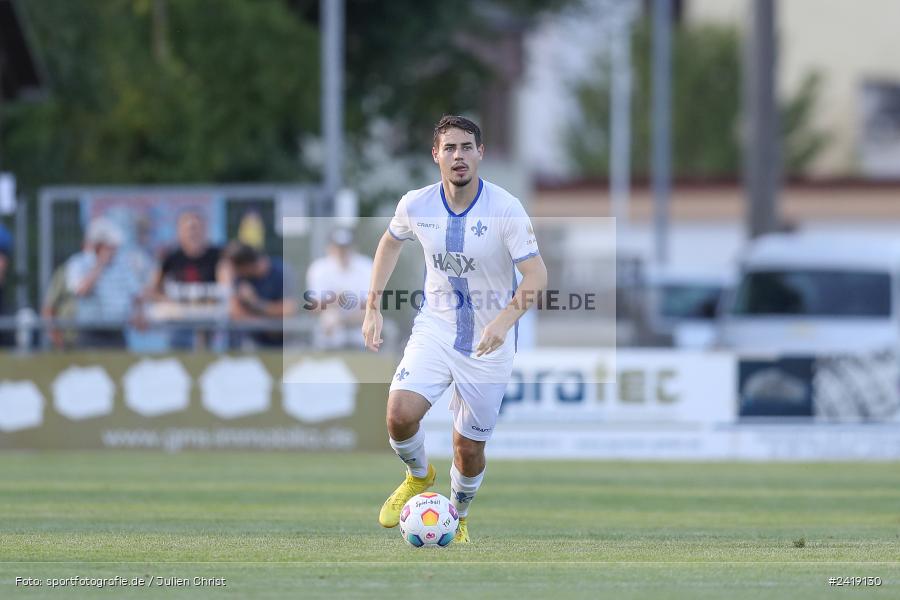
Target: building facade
{"x": 854, "y": 47}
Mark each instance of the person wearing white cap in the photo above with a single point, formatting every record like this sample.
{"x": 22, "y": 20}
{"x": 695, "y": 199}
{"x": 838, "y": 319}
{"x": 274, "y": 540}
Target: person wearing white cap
{"x": 105, "y": 290}
{"x": 342, "y": 275}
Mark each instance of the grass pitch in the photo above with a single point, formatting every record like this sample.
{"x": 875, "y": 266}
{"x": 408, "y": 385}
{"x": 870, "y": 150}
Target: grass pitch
{"x": 304, "y": 526}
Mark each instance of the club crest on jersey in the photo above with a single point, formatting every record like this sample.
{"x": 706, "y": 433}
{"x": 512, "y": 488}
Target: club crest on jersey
{"x": 455, "y": 262}
{"x": 479, "y": 229}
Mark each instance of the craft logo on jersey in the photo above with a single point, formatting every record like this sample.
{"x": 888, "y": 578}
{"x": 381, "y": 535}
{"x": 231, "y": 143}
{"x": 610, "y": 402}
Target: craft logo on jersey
{"x": 455, "y": 262}
{"x": 479, "y": 229}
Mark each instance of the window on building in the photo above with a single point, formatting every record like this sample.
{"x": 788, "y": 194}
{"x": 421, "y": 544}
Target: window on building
{"x": 880, "y": 132}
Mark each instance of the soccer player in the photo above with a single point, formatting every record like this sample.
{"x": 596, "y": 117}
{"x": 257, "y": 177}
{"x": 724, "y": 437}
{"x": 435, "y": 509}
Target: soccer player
{"x": 474, "y": 236}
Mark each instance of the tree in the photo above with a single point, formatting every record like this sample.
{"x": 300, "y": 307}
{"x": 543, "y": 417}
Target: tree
{"x": 147, "y": 91}
{"x": 409, "y": 62}
{"x": 706, "y": 108}
{"x": 153, "y": 91}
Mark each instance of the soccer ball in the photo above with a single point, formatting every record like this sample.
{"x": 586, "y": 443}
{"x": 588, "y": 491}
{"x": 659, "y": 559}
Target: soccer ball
{"x": 428, "y": 520}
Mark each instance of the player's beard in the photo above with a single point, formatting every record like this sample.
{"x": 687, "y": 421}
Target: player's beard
{"x": 461, "y": 182}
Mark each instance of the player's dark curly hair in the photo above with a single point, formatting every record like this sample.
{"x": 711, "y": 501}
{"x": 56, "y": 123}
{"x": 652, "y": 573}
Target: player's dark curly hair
{"x": 456, "y": 122}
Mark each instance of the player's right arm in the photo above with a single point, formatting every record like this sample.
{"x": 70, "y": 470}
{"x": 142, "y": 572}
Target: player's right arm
{"x": 382, "y": 267}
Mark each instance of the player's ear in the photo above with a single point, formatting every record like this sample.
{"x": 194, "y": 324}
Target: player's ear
{"x": 481, "y": 151}
{"x": 434, "y": 155}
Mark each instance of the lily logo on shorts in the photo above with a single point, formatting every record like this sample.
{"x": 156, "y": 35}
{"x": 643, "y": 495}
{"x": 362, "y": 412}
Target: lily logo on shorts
{"x": 401, "y": 375}
{"x": 479, "y": 229}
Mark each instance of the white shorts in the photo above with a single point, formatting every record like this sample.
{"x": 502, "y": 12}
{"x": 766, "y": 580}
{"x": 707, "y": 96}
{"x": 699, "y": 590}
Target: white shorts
{"x": 429, "y": 367}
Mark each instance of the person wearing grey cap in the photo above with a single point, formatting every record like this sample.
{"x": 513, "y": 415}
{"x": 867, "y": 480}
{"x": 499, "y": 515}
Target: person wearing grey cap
{"x": 104, "y": 288}
{"x": 339, "y": 284}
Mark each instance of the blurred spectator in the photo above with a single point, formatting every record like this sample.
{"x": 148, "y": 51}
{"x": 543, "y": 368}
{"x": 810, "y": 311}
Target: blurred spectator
{"x": 263, "y": 289}
{"x": 194, "y": 273}
{"x": 59, "y": 303}
{"x": 104, "y": 286}
{"x": 6, "y": 337}
{"x": 342, "y": 276}
{"x": 194, "y": 261}
{"x": 5, "y": 253}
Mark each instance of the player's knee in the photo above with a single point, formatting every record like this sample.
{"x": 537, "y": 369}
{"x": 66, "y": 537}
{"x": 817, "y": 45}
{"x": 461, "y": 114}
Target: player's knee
{"x": 469, "y": 453}
{"x": 404, "y": 411}
{"x": 399, "y": 421}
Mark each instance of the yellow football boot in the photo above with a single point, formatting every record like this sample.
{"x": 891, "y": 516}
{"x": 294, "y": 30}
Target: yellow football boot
{"x": 411, "y": 486}
{"x": 462, "y": 532}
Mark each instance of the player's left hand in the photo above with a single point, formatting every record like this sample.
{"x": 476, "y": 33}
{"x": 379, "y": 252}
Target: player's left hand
{"x": 492, "y": 338}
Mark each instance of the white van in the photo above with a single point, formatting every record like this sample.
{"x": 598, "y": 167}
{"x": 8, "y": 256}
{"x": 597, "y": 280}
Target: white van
{"x": 814, "y": 294}
{"x": 680, "y": 304}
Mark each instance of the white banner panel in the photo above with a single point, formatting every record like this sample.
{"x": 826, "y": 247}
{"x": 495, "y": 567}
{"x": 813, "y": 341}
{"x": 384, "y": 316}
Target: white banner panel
{"x": 559, "y": 385}
{"x": 766, "y": 443}
{"x": 664, "y": 405}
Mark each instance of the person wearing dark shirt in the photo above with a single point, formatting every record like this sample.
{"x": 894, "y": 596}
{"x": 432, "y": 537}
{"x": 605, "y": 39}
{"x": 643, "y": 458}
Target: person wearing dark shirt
{"x": 263, "y": 289}
{"x": 191, "y": 269}
{"x": 5, "y": 252}
{"x": 6, "y": 243}
{"x": 194, "y": 272}
{"x": 194, "y": 260}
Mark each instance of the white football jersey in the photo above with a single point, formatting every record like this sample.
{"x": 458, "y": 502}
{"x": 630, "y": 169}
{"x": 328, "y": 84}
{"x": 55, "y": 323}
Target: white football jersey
{"x": 470, "y": 257}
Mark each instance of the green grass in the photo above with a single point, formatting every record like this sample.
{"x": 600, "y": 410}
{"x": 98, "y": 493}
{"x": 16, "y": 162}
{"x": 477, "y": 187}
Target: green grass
{"x": 304, "y": 525}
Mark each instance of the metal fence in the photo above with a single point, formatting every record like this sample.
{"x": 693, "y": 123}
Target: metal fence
{"x": 32, "y": 333}
{"x": 65, "y": 210}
